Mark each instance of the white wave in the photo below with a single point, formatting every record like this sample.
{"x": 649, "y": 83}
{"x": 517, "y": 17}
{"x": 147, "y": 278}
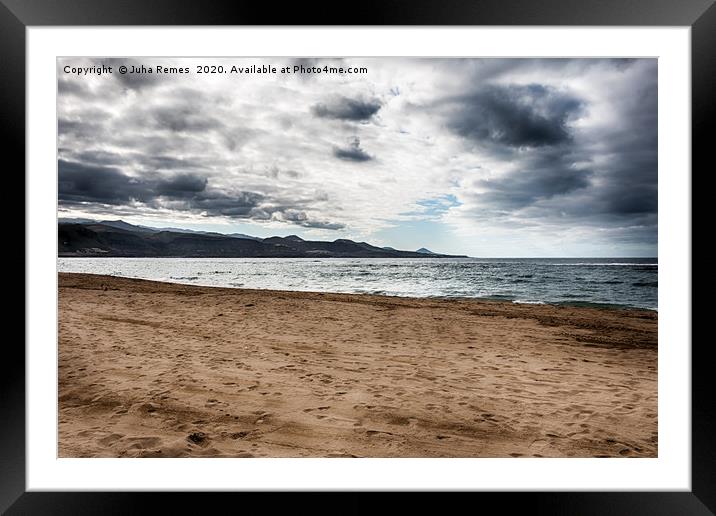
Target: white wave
{"x": 614, "y": 264}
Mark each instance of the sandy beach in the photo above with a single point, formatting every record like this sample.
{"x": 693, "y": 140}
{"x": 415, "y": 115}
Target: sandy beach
{"x": 149, "y": 369}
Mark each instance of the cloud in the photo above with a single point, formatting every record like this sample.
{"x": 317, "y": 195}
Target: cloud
{"x": 561, "y": 147}
{"x": 531, "y": 115}
{"x": 181, "y": 118}
{"x": 581, "y": 157}
{"x": 542, "y": 177}
{"x": 316, "y": 224}
{"x": 79, "y": 129}
{"x": 137, "y": 160}
{"x": 181, "y": 185}
{"x": 95, "y": 185}
{"x": 353, "y": 152}
{"x": 302, "y": 219}
{"x": 91, "y": 124}
{"x": 343, "y": 108}
{"x": 96, "y": 157}
{"x": 242, "y": 205}
{"x": 79, "y": 183}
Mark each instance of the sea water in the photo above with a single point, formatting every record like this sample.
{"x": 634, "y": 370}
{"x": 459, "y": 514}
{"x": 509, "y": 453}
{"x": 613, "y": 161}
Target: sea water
{"x": 615, "y": 282}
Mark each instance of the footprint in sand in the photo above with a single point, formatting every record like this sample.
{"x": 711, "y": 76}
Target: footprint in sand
{"x": 198, "y": 438}
{"x": 110, "y": 439}
{"x": 143, "y": 442}
{"x": 377, "y": 432}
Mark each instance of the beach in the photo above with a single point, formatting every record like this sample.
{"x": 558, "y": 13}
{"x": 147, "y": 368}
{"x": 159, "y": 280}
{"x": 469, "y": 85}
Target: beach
{"x": 153, "y": 369}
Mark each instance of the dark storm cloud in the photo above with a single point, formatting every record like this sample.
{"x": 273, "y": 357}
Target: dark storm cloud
{"x": 624, "y": 189}
{"x": 630, "y": 202}
{"x": 181, "y": 185}
{"x": 516, "y": 116}
{"x": 352, "y": 153}
{"x": 602, "y": 177}
{"x": 344, "y": 108}
{"x": 541, "y": 177}
{"x": 89, "y": 184}
{"x": 240, "y": 205}
{"x": 94, "y": 186}
{"x": 526, "y": 125}
{"x": 630, "y": 184}
{"x": 80, "y": 183}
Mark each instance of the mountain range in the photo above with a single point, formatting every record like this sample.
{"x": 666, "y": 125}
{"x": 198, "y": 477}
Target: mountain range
{"x": 84, "y": 237}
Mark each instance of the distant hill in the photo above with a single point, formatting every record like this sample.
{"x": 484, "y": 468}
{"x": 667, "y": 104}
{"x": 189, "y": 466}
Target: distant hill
{"x": 422, "y": 250}
{"x": 118, "y": 238}
{"x": 120, "y": 224}
{"x": 213, "y": 233}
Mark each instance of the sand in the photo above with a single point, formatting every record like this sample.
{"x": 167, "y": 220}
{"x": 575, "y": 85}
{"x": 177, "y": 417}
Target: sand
{"x": 150, "y": 369}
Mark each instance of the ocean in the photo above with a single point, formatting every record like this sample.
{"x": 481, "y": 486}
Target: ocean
{"x": 609, "y": 282}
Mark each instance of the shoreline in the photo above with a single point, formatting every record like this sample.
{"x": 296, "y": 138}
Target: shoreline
{"x": 566, "y": 304}
{"x": 159, "y": 369}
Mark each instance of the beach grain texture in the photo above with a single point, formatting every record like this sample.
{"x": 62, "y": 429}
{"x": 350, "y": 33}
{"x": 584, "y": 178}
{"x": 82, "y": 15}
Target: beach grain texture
{"x": 150, "y": 369}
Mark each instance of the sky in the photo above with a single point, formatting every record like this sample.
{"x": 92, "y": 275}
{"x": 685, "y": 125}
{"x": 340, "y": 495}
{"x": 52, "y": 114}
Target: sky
{"x": 483, "y": 157}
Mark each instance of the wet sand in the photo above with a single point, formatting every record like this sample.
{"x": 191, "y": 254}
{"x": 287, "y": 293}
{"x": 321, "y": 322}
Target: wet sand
{"x": 149, "y": 369}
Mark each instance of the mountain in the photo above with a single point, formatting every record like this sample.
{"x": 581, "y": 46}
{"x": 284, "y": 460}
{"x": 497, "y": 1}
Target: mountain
{"x": 120, "y": 224}
{"x": 241, "y": 235}
{"x": 211, "y": 233}
{"x": 76, "y": 220}
{"x": 117, "y": 238}
{"x": 423, "y": 250}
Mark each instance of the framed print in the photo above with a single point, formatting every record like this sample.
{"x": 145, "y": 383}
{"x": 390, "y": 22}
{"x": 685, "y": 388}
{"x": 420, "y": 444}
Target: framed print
{"x": 446, "y": 249}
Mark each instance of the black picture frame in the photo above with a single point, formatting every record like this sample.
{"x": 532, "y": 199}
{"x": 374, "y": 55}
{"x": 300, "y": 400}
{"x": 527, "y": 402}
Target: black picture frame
{"x": 16, "y": 15}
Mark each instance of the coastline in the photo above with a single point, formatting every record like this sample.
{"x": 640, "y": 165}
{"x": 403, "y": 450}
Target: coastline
{"x": 172, "y": 370}
{"x": 599, "y": 283}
